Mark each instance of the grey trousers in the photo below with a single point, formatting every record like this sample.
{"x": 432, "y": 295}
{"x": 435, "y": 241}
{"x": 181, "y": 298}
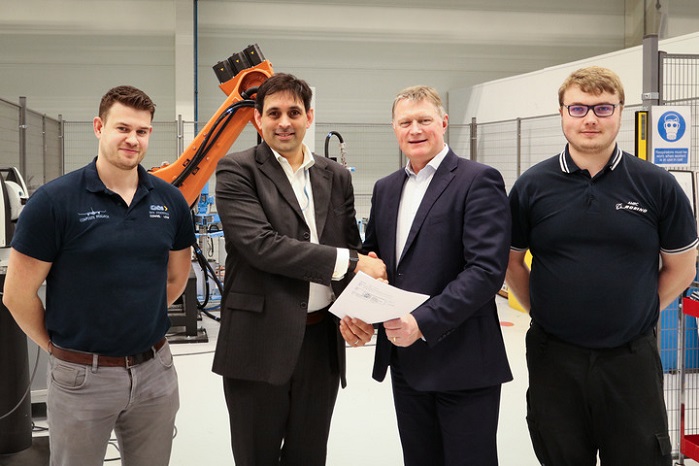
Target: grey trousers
{"x": 139, "y": 404}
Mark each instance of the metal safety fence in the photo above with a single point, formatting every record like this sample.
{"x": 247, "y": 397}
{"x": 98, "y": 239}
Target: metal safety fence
{"x": 678, "y": 83}
{"x": 31, "y": 142}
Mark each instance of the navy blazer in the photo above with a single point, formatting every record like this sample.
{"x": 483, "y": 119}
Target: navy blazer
{"x": 456, "y": 252}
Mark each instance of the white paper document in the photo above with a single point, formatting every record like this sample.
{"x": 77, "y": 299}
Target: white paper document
{"x": 373, "y": 301}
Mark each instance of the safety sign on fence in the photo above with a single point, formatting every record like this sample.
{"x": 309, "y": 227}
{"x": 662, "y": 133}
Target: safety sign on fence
{"x": 671, "y": 135}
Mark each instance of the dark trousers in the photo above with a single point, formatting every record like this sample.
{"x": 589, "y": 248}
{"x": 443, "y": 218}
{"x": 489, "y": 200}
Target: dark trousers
{"x": 447, "y": 428}
{"x": 583, "y": 401}
{"x": 287, "y": 424}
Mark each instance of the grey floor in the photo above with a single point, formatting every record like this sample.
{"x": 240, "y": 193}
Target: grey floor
{"x": 364, "y": 426}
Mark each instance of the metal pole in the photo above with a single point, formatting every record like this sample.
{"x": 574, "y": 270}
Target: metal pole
{"x": 180, "y": 135}
{"x": 195, "y": 19}
{"x": 62, "y": 140}
{"x": 474, "y": 139}
{"x": 44, "y": 148}
{"x": 519, "y": 146}
{"x": 23, "y": 136}
{"x": 651, "y": 93}
{"x": 680, "y": 364}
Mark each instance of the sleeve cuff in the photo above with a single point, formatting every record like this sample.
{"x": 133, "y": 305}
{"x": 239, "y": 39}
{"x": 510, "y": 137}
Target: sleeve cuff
{"x": 341, "y": 262}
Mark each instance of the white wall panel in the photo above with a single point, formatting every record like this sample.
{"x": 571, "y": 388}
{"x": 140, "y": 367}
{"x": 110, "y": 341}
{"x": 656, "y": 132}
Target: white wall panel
{"x": 359, "y": 57}
{"x": 536, "y": 93}
{"x": 63, "y": 54}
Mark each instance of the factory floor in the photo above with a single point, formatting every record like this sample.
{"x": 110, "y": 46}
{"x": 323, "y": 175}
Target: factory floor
{"x": 364, "y": 428}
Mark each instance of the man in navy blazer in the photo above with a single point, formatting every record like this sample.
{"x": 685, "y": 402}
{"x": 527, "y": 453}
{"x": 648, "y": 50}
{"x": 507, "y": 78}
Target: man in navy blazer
{"x": 442, "y": 227}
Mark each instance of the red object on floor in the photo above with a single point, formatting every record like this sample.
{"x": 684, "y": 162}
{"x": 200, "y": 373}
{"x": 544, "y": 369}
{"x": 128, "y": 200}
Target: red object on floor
{"x": 689, "y": 444}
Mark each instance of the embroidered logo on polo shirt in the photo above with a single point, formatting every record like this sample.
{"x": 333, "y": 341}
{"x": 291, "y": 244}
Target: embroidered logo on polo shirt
{"x": 633, "y": 206}
{"x": 92, "y": 214}
{"x": 159, "y": 211}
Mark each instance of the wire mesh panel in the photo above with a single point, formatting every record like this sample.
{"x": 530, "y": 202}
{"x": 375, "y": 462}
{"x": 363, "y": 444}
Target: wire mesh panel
{"x": 53, "y": 161}
{"x": 35, "y": 150}
{"x": 371, "y": 151}
{"x": 9, "y": 134}
{"x": 680, "y": 86}
{"x": 542, "y": 138}
{"x": 679, "y": 339}
{"x": 496, "y": 145}
{"x": 670, "y": 346}
{"x": 162, "y": 146}
{"x": 31, "y": 142}
{"x": 81, "y": 144}
{"x": 459, "y": 139}
{"x": 689, "y": 376}
{"x": 513, "y": 146}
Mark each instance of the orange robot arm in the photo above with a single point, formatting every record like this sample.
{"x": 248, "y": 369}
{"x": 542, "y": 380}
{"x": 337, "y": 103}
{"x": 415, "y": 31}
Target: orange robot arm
{"x": 240, "y": 73}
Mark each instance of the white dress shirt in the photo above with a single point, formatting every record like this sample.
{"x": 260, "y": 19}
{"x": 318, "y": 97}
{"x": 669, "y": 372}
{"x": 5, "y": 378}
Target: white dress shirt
{"x": 414, "y": 190}
{"x": 319, "y": 296}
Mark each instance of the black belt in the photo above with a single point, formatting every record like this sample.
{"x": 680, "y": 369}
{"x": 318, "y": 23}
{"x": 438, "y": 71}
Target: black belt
{"x": 316, "y": 317}
{"x": 630, "y": 344}
{"x": 88, "y": 359}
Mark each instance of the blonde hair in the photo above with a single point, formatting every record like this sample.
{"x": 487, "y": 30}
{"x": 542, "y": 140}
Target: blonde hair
{"x": 593, "y": 80}
{"x": 417, "y": 94}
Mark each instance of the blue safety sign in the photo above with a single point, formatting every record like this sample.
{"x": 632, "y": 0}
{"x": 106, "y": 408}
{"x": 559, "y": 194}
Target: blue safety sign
{"x": 671, "y": 138}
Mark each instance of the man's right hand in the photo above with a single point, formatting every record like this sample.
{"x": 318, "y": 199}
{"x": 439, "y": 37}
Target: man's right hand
{"x": 356, "y": 332}
{"x": 372, "y": 266}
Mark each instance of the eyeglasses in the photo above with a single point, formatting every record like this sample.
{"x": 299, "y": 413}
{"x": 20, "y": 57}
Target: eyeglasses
{"x": 600, "y": 110}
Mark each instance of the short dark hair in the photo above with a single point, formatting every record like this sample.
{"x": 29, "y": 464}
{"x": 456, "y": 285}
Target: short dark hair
{"x": 128, "y": 96}
{"x": 282, "y": 82}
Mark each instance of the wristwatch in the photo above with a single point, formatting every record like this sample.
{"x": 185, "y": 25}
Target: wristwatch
{"x": 353, "y": 259}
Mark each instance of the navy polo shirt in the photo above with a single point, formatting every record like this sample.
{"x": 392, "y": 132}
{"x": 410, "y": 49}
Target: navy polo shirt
{"x": 106, "y": 290}
{"x": 595, "y": 244}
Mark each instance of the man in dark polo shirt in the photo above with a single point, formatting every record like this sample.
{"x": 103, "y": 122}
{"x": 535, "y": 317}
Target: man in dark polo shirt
{"x": 613, "y": 240}
{"x": 113, "y": 244}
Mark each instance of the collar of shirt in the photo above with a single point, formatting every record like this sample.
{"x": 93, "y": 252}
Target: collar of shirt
{"x": 568, "y": 165}
{"x": 308, "y": 161}
{"x": 95, "y": 184}
{"x": 432, "y": 164}
{"x": 301, "y": 185}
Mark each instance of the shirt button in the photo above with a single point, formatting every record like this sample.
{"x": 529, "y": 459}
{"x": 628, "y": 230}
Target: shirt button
{"x": 306, "y": 235}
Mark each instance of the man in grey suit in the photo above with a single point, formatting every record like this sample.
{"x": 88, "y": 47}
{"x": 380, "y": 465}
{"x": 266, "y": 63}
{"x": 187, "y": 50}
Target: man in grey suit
{"x": 292, "y": 239}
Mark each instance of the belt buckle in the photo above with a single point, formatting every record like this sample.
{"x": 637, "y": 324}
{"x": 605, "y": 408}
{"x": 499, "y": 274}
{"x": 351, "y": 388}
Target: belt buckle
{"x": 130, "y": 361}
{"x": 136, "y": 359}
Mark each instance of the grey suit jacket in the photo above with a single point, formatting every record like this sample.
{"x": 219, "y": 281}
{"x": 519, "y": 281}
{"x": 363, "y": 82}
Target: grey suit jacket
{"x": 270, "y": 260}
